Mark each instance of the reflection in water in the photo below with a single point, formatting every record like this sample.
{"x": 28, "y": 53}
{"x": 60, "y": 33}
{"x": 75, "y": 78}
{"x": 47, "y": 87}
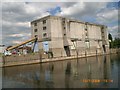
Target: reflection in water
{"x": 65, "y": 74}
{"x": 89, "y": 75}
{"x": 105, "y": 68}
{"x": 68, "y": 68}
{"x": 49, "y": 76}
{"x": 105, "y": 71}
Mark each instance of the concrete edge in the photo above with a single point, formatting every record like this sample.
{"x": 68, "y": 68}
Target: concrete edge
{"x": 52, "y": 60}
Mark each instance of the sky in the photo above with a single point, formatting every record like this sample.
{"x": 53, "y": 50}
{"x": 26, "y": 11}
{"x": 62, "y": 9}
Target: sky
{"x": 16, "y": 16}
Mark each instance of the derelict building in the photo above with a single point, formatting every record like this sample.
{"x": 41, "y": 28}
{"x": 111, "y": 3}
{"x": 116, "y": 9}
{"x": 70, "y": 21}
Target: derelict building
{"x": 65, "y": 36}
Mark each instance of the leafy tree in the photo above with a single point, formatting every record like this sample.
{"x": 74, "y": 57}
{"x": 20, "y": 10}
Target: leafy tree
{"x": 111, "y": 40}
{"x": 114, "y": 43}
{"x": 110, "y": 37}
{"x": 117, "y": 43}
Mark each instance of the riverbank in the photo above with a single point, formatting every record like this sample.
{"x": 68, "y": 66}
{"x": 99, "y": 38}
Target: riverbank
{"x": 65, "y": 74}
{"x": 36, "y": 58}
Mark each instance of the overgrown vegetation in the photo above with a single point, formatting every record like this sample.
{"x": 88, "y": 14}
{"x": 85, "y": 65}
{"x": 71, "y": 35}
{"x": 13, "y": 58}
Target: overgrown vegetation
{"x": 114, "y": 43}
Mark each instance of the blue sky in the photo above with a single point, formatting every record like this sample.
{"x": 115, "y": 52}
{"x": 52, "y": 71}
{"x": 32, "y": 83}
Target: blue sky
{"x": 54, "y": 10}
{"x": 16, "y": 16}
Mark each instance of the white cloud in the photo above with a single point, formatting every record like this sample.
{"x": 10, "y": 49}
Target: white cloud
{"x": 73, "y": 9}
{"x": 113, "y": 30}
{"x": 15, "y": 24}
{"x": 16, "y": 42}
{"x": 19, "y": 38}
{"x": 81, "y": 9}
{"x": 16, "y": 18}
{"x": 60, "y": 1}
{"x": 18, "y": 15}
{"x": 16, "y": 35}
{"x": 107, "y": 16}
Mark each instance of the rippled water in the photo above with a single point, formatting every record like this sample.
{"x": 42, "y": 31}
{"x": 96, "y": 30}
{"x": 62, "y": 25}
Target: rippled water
{"x": 65, "y": 74}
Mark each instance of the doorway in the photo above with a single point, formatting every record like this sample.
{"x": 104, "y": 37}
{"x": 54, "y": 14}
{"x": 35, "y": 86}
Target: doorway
{"x": 67, "y": 50}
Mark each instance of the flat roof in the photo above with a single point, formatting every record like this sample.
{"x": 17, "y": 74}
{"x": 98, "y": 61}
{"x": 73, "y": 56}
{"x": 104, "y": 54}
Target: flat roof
{"x": 70, "y": 20}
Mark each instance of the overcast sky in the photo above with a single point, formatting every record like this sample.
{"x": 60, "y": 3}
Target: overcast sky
{"x": 16, "y": 16}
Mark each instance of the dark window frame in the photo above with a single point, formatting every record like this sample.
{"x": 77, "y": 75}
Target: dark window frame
{"x": 36, "y": 36}
{"x": 64, "y": 34}
{"x": 44, "y": 21}
{"x": 44, "y": 34}
{"x": 86, "y": 34}
{"x": 63, "y": 22}
{"x": 35, "y": 24}
{"x": 44, "y": 28}
{"x": 35, "y": 30}
{"x": 86, "y": 29}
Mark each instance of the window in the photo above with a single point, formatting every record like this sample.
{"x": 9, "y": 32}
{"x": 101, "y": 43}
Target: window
{"x": 85, "y": 29}
{"x": 44, "y": 28}
{"x": 35, "y": 30}
{"x": 63, "y": 22}
{"x": 86, "y": 23}
{"x": 35, "y": 24}
{"x": 44, "y": 21}
{"x": 64, "y": 27}
{"x": 36, "y": 35}
{"x": 44, "y": 34}
{"x": 86, "y": 34}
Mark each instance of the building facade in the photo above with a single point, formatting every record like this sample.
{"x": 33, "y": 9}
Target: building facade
{"x": 67, "y": 37}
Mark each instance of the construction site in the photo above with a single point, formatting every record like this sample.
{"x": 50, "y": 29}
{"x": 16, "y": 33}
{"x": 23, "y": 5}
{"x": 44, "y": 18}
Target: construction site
{"x": 59, "y": 38}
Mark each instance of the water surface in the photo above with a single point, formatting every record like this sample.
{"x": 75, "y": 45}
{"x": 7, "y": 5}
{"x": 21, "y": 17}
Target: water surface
{"x": 65, "y": 74}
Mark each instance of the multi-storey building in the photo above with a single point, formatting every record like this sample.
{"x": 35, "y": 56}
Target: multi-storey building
{"x": 66, "y": 37}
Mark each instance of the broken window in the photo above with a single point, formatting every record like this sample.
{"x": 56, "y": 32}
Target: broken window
{"x": 35, "y": 24}
{"x": 44, "y": 34}
{"x": 35, "y": 30}
{"x": 64, "y": 27}
{"x": 36, "y": 35}
{"x": 85, "y": 29}
{"x": 44, "y": 28}
{"x": 44, "y": 21}
{"x": 64, "y": 34}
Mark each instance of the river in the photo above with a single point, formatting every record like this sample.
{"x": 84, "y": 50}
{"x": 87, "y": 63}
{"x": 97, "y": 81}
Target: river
{"x": 91, "y": 72}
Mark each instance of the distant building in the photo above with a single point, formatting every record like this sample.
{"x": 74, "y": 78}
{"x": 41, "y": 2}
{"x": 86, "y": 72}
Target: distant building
{"x": 67, "y": 36}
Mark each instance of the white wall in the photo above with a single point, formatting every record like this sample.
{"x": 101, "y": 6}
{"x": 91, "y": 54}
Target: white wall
{"x": 56, "y": 33}
{"x": 76, "y": 30}
{"x": 94, "y": 32}
{"x": 56, "y": 28}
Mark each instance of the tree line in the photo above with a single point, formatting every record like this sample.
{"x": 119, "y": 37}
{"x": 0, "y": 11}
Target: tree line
{"x": 114, "y": 43}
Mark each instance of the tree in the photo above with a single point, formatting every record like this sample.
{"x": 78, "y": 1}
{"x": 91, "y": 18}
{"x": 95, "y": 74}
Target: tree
{"x": 110, "y": 37}
{"x": 117, "y": 43}
{"x": 111, "y": 40}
